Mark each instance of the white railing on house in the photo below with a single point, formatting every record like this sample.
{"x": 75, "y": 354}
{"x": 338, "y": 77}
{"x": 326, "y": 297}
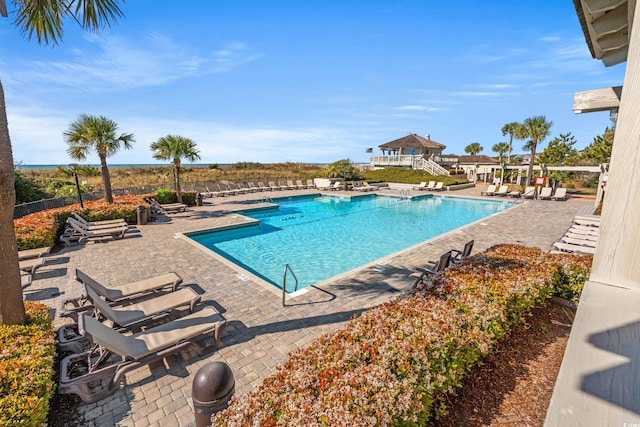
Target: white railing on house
{"x": 409, "y": 161}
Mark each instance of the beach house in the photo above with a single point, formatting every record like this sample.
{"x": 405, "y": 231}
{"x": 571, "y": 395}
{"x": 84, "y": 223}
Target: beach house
{"x": 412, "y": 151}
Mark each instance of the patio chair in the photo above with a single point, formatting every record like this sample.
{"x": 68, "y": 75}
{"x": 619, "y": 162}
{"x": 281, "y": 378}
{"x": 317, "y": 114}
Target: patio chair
{"x": 439, "y": 187}
{"x": 77, "y": 233}
{"x": 25, "y": 280}
{"x": 587, "y": 222}
{"x": 310, "y": 184}
{"x": 126, "y": 315}
{"x": 264, "y": 187}
{"x": 95, "y": 374}
{"x": 31, "y": 265}
{"x": 71, "y": 307}
{"x": 98, "y": 224}
{"x": 236, "y": 188}
{"x": 253, "y": 187}
{"x": 459, "y": 256}
{"x": 490, "y": 191}
{"x": 515, "y": 194}
{"x": 529, "y": 193}
{"x": 211, "y": 192}
{"x": 424, "y": 186}
{"x": 273, "y": 186}
{"x": 590, "y": 237}
{"x": 33, "y": 253}
{"x": 291, "y": 185}
{"x": 583, "y": 229}
{"x": 502, "y": 191}
{"x": 568, "y": 247}
{"x": 560, "y": 194}
{"x": 166, "y": 208}
{"x": 335, "y": 186}
{"x": 545, "y": 193}
{"x": 433, "y": 268}
{"x": 245, "y": 189}
{"x": 300, "y": 185}
{"x": 578, "y": 241}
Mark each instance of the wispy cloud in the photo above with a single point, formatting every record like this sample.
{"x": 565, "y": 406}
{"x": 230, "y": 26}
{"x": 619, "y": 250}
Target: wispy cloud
{"x": 114, "y": 62}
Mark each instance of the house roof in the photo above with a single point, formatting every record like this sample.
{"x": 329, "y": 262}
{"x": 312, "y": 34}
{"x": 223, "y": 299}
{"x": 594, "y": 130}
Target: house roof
{"x": 413, "y": 140}
{"x": 482, "y": 160}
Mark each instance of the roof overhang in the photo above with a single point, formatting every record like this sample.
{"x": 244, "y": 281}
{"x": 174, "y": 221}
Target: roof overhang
{"x": 606, "y": 25}
{"x": 589, "y": 101}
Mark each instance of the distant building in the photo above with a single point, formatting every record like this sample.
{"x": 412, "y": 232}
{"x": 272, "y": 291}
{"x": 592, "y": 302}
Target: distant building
{"x": 412, "y": 144}
{"x": 411, "y": 151}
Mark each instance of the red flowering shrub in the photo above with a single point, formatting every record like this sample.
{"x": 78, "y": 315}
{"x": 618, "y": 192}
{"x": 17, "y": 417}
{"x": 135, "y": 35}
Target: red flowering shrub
{"x": 394, "y": 364}
{"x": 41, "y": 229}
{"x": 26, "y": 368}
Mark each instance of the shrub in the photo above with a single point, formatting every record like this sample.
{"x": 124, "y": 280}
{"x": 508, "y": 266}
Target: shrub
{"x": 42, "y": 228}
{"x": 394, "y": 364}
{"x": 408, "y": 176}
{"x": 169, "y": 196}
{"x": 570, "y": 185}
{"x": 26, "y": 368}
{"x": 590, "y": 182}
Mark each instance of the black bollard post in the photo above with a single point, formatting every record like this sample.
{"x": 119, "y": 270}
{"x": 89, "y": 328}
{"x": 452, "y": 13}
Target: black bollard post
{"x": 213, "y": 387}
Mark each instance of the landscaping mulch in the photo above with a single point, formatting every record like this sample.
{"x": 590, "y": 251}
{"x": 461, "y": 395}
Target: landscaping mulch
{"x": 513, "y": 386}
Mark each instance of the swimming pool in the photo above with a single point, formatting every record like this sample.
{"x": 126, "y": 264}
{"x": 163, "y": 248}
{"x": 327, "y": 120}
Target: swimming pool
{"x": 321, "y": 237}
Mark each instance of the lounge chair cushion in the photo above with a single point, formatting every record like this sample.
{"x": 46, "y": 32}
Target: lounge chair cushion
{"x": 124, "y": 315}
{"x": 141, "y": 286}
{"x": 152, "y": 340}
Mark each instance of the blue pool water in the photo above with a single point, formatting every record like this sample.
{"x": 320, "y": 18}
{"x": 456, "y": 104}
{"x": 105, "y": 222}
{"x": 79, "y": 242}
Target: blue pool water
{"x": 325, "y": 236}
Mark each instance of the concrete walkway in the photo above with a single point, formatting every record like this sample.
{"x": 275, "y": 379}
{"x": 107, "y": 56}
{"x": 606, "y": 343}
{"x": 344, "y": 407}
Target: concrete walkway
{"x": 261, "y": 333}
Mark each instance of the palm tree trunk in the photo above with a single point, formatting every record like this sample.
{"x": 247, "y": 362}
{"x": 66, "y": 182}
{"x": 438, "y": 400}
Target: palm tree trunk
{"x": 509, "y": 152}
{"x": 106, "y": 179}
{"x": 11, "y": 304}
{"x": 176, "y": 166}
{"x": 531, "y": 161}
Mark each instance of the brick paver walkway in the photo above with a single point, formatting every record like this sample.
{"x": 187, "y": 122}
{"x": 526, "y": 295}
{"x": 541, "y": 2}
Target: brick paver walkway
{"x": 260, "y": 333}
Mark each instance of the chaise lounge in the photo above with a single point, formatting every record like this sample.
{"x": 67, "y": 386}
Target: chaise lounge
{"x": 432, "y": 269}
{"x": 95, "y": 374}
{"x": 71, "y": 307}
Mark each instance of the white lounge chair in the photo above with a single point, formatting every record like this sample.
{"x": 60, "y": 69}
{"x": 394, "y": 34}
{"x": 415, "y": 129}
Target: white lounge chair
{"x": 98, "y": 224}
{"x": 573, "y": 235}
{"x": 33, "y": 253}
{"x": 439, "y": 187}
{"x": 577, "y": 241}
{"x": 560, "y": 194}
{"x": 31, "y": 265}
{"x": 490, "y": 191}
{"x": 567, "y": 247}
{"x": 529, "y": 193}
{"x": 502, "y": 191}
{"x": 545, "y": 193}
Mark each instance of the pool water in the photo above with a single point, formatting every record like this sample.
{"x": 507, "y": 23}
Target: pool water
{"x": 322, "y": 237}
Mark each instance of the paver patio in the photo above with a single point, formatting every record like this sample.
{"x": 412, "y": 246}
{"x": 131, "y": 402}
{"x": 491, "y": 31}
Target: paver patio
{"x": 260, "y": 333}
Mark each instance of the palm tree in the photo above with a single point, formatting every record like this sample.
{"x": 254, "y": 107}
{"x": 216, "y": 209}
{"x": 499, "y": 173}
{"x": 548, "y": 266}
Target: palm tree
{"x": 473, "y": 148}
{"x": 175, "y": 148}
{"x": 500, "y": 148}
{"x": 510, "y": 129}
{"x": 44, "y": 19}
{"x": 99, "y": 133}
{"x": 535, "y": 129}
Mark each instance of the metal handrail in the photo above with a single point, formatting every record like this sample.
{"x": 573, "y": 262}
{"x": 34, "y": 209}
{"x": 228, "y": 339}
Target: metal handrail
{"x": 287, "y": 267}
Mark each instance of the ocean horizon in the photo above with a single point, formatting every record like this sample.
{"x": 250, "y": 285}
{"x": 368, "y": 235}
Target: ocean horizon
{"x": 138, "y": 165}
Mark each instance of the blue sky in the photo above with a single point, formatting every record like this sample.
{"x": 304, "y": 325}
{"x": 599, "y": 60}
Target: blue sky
{"x": 304, "y": 81}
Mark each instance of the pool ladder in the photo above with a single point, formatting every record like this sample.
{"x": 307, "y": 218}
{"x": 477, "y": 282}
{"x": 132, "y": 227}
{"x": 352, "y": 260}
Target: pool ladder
{"x": 287, "y": 269}
{"x": 266, "y": 199}
{"x": 405, "y": 194}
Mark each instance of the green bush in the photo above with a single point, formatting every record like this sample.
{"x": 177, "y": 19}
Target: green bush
{"x": 570, "y": 185}
{"x": 568, "y": 282}
{"x": 26, "y": 368}
{"x": 163, "y": 196}
{"x": 590, "y": 183}
{"x": 28, "y": 190}
{"x": 409, "y": 176}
